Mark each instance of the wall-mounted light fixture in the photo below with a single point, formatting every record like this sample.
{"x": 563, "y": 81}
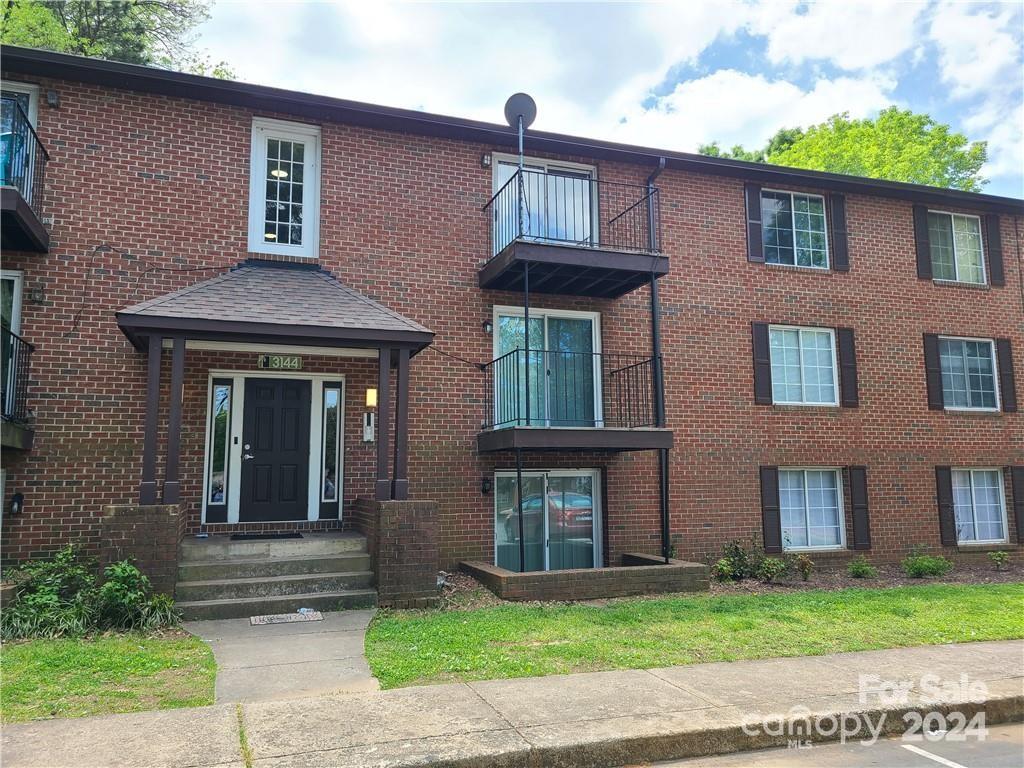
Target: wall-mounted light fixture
{"x": 485, "y": 160}
{"x": 369, "y": 418}
{"x": 485, "y": 486}
{"x": 488, "y": 326}
{"x": 53, "y": 99}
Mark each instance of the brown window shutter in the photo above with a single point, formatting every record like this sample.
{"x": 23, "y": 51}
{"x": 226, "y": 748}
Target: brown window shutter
{"x": 994, "y": 250}
{"x": 770, "y": 509}
{"x": 1007, "y": 381}
{"x": 848, "y": 396}
{"x": 944, "y": 492}
{"x": 859, "y": 505}
{"x": 1017, "y": 489}
{"x": 924, "y": 250}
{"x": 933, "y": 372}
{"x": 762, "y": 364}
{"x": 755, "y": 247}
{"x": 837, "y": 225}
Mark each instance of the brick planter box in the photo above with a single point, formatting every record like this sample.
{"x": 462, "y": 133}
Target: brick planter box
{"x": 149, "y": 534}
{"x": 639, "y": 574}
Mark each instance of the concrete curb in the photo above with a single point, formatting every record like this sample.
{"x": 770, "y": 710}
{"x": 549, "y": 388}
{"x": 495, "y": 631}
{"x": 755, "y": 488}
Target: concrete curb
{"x": 725, "y": 736}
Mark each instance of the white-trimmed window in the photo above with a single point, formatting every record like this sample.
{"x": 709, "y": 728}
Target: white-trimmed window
{"x": 793, "y": 229}
{"x": 803, "y": 365}
{"x": 811, "y": 508}
{"x": 968, "y": 374}
{"x": 284, "y": 188}
{"x": 979, "y": 505}
{"x": 956, "y": 247}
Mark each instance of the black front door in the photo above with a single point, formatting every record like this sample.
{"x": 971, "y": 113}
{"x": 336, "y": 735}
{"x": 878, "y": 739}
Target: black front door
{"x": 275, "y": 450}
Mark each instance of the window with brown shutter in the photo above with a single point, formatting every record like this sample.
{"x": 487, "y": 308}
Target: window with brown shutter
{"x": 771, "y": 523}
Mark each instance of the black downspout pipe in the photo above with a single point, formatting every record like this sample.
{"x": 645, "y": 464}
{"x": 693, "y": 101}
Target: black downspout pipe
{"x": 659, "y": 379}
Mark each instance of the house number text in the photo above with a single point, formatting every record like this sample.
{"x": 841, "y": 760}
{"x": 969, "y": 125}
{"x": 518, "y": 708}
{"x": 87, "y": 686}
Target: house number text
{"x": 280, "y": 362}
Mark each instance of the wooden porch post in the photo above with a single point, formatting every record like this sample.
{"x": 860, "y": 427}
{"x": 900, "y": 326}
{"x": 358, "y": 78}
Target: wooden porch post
{"x": 383, "y": 489}
{"x": 400, "y": 489}
{"x": 147, "y": 488}
{"x": 172, "y": 484}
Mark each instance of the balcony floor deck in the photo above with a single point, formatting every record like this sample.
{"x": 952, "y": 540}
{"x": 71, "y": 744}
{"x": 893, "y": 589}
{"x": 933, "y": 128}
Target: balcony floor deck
{"x": 609, "y": 439}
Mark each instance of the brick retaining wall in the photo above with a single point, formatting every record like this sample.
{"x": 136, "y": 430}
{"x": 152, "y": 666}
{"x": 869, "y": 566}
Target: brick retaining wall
{"x": 403, "y": 540}
{"x": 148, "y": 534}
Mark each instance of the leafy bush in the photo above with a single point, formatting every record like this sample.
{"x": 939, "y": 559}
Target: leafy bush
{"x": 770, "y": 568}
{"x": 59, "y": 597}
{"x": 919, "y": 566}
{"x": 999, "y": 559}
{"x": 860, "y": 568}
{"x": 723, "y": 570}
{"x": 804, "y": 566}
{"x": 738, "y": 559}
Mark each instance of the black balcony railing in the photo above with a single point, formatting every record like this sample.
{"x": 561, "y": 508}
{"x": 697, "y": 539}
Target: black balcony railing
{"x": 22, "y": 156}
{"x": 574, "y": 209}
{"x": 14, "y": 363}
{"x": 569, "y": 389}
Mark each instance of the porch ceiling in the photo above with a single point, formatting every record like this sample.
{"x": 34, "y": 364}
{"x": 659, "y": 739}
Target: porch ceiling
{"x": 273, "y": 303}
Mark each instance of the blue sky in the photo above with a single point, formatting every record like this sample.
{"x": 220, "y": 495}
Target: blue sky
{"x": 667, "y": 75}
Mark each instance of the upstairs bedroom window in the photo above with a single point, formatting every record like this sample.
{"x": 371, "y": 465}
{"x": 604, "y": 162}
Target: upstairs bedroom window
{"x": 956, "y": 250}
{"x": 793, "y": 229}
{"x": 284, "y": 188}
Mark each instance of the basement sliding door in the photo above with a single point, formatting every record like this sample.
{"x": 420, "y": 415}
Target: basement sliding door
{"x": 561, "y": 514}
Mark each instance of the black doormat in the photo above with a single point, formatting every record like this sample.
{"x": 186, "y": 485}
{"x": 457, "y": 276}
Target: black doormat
{"x": 251, "y": 536}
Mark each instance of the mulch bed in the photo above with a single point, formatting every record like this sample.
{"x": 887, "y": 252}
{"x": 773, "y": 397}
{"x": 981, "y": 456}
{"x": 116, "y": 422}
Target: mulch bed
{"x": 464, "y": 593}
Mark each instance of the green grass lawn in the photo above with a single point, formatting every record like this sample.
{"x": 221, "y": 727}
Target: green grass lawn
{"x": 417, "y": 647}
{"x": 105, "y": 674}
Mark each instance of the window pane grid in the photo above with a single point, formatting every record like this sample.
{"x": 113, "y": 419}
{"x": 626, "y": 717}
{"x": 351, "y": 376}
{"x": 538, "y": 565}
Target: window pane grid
{"x": 978, "y": 505}
{"x": 793, "y": 229}
{"x": 968, "y": 373}
{"x": 284, "y": 173}
{"x": 810, "y": 508}
{"x": 803, "y": 366}
{"x": 955, "y": 242}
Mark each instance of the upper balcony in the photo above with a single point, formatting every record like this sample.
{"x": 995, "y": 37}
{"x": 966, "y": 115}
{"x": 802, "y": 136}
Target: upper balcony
{"x": 22, "y": 167}
{"x": 15, "y": 352}
{"x": 578, "y": 236}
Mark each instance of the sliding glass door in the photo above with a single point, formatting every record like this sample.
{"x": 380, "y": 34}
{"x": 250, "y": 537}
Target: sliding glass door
{"x": 558, "y": 205}
{"x": 561, "y": 367}
{"x": 560, "y": 526}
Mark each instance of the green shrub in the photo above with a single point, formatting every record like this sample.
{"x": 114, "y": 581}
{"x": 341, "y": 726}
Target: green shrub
{"x": 770, "y": 568}
{"x": 860, "y": 568}
{"x": 59, "y": 597}
{"x": 919, "y": 566}
{"x": 722, "y": 570}
{"x": 804, "y": 566}
{"x": 999, "y": 559}
{"x": 739, "y": 560}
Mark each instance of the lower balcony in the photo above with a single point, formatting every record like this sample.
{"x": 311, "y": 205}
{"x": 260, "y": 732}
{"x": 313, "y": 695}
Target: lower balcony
{"x": 551, "y": 400}
{"x": 15, "y": 430}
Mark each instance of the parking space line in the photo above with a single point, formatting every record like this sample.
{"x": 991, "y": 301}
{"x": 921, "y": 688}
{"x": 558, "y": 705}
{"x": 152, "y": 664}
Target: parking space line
{"x": 930, "y": 756}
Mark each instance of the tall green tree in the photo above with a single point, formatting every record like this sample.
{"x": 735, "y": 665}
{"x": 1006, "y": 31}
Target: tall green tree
{"x": 898, "y": 145}
{"x": 155, "y": 32}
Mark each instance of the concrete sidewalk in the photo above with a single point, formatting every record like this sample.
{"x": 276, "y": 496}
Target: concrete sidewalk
{"x": 593, "y": 719}
{"x": 279, "y": 661}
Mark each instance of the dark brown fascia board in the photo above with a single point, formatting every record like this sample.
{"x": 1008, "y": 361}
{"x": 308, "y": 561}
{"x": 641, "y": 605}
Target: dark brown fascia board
{"x": 29, "y": 61}
{"x": 138, "y": 327}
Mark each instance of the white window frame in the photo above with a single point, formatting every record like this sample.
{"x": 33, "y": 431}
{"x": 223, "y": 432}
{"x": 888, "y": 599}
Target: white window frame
{"x": 956, "y": 265}
{"x": 598, "y": 512}
{"x": 835, "y": 364}
{"x": 18, "y": 279}
{"x": 995, "y": 376}
{"x": 264, "y": 129}
{"x": 792, "y": 207}
{"x": 974, "y": 506}
{"x": 33, "y": 97}
{"x": 594, "y": 317}
{"x": 838, "y": 472}
{"x": 234, "y": 490}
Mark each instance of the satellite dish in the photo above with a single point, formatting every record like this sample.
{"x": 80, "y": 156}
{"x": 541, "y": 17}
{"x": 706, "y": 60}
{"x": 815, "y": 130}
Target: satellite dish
{"x": 520, "y": 105}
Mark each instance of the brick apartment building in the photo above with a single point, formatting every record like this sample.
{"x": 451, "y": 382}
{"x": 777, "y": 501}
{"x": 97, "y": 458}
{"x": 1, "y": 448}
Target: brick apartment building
{"x": 259, "y": 310}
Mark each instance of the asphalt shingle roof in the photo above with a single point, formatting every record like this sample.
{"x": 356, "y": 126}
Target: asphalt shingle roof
{"x": 278, "y": 295}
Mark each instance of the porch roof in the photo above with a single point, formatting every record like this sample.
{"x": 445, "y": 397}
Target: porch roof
{"x": 273, "y": 302}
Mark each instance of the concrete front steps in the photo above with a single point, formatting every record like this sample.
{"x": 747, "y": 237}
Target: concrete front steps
{"x": 223, "y": 579}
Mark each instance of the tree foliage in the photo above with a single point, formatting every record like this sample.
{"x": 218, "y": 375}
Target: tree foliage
{"x": 154, "y": 32}
{"x": 898, "y": 145}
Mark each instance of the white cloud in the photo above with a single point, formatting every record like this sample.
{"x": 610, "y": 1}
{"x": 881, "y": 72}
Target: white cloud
{"x": 977, "y": 49}
{"x": 852, "y": 35}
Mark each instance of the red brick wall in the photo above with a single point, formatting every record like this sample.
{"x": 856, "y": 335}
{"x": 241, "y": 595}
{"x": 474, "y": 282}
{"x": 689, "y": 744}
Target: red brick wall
{"x": 164, "y": 182}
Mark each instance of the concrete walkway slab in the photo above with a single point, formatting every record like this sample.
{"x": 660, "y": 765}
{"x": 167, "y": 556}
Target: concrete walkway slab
{"x": 280, "y": 661}
{"x": 204, "y": 737}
